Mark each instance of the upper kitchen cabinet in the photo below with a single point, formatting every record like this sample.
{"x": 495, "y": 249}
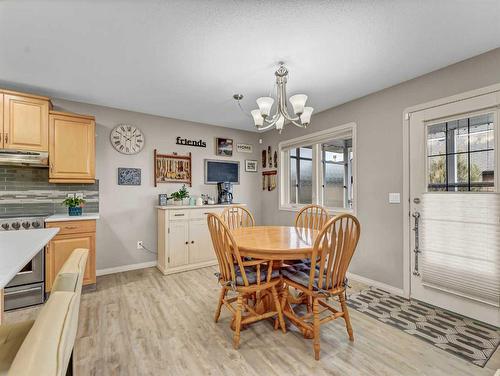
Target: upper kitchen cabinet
{"x": 71, "y": 148}
{"x": 25, "y": 121}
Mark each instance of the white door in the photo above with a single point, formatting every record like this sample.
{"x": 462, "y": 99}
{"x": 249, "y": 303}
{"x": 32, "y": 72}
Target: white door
{"x": 178, "y": 244}
{"x": 200, "y": 243}
{"x": 455, "y": 207}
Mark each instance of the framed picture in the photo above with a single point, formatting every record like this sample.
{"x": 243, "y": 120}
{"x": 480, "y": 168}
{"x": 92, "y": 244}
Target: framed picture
{"x": 224, "y": 147}
{"x": 244, "y": 148}
{"x": 251, "y": 165}
{"x": 129, "y": 176}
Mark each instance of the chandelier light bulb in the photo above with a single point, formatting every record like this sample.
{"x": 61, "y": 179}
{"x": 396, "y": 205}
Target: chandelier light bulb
{"x": 265, "y": 104}
{"x": 305, "y": 118}
{"x": 257, "y": 118}
{"x": 298, "y": 102}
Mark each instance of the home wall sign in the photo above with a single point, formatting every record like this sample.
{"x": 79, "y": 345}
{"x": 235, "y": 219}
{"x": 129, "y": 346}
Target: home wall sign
{"x": 244, "y": 148}
{"x": 172, "y": 168}
{"x": 186, "y": 142}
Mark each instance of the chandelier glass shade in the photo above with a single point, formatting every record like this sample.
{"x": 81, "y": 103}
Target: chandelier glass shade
{"x": 262, "y": 117}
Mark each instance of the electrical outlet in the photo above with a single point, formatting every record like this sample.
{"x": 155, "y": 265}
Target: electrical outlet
{"x": 140, "y": 245}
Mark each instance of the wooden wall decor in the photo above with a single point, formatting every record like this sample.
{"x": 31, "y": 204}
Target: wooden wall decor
{"x": 269, "y": 180}
{"x": 172, "y": 168}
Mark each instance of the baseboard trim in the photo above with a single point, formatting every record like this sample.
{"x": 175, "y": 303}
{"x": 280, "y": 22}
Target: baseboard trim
{"x": 125, "y": 268}
{"x": 380, "y": 285}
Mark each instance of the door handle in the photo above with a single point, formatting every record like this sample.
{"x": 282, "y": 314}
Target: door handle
{"x": 416, "y": 250}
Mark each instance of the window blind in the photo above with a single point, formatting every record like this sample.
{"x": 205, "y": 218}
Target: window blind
{"x": 460, "y": 243}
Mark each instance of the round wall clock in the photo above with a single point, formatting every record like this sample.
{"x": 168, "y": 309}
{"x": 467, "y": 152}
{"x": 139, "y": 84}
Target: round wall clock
{"x": 127, "y": 139}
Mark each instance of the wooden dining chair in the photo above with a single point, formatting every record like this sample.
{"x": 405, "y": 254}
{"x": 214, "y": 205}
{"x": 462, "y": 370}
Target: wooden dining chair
{"x": 312, "y": 216}
{"x": 237, "y": 216}
{"x": 245, "y": 278}
{"x": 325, "y": 277}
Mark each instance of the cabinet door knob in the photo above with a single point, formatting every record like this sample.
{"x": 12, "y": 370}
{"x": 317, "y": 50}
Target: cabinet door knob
{"x": 6, "y": 137}
{"x": 187, "y": 242}
{"x": 192, "y": 241}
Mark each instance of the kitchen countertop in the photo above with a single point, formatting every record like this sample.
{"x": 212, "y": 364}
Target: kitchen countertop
{"x": 173, "y": 207}
{"x": 17, "y": 248}
{"x": 66, "y": 217}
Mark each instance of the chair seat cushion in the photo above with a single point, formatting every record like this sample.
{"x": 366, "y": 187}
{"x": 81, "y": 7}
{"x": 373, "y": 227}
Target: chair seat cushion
{"x": 300, "y": 272}
{"x": 11, "y": 339}
{"x": 251, "y": 273}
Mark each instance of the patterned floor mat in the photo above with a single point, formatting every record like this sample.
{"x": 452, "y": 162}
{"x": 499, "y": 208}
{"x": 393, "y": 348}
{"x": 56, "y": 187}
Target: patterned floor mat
{"x": 466, "y": 338}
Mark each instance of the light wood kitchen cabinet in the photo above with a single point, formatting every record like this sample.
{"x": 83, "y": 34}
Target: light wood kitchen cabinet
{"x": 25, "y": 121}
{"x": 72, "y": 235}
{"x": 71, "y": 148}
{"x": 184, "y": 241}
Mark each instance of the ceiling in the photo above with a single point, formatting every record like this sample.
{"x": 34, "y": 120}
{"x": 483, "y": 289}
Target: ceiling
{"x": 185, "y": 59}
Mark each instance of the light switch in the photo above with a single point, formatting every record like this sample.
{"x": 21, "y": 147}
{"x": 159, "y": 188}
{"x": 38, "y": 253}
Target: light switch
{"x": 394, "y": 198}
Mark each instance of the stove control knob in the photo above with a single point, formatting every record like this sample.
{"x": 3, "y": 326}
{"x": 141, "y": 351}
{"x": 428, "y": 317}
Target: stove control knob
{"x": 5, "y": 226}
{"x": 26, "y": 225}
{"x": 35, "y": 224}
{"x": 16, "y": 225}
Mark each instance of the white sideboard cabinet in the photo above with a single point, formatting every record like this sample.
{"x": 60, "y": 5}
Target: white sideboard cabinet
{"x": 184, "y": 241}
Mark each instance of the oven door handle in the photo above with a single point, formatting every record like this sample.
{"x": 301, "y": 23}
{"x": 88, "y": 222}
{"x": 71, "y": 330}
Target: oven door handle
{"x": 6, "y": 293}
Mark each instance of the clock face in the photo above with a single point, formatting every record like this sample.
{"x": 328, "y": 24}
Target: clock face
{"x": 127, "y": 139}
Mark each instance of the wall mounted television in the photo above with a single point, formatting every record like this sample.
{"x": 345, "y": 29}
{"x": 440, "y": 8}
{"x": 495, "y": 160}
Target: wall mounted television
{"x": 217, "y": 170}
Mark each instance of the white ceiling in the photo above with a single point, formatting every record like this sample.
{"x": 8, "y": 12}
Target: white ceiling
{"x": 185, "y": 59}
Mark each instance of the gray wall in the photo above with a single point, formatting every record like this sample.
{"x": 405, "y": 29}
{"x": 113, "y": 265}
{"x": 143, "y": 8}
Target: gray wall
{"x": 380, "y": 153}
{"x": 127, "y": 212}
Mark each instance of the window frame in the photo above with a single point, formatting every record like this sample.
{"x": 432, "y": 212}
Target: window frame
{"x": 315, "y": 140}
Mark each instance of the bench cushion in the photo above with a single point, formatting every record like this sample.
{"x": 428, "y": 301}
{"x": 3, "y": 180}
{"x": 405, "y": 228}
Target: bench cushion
{"x": 11, "y": 339}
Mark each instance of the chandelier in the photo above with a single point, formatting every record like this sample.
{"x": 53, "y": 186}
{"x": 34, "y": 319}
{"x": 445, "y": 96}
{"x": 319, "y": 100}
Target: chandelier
{"x": 262, "y": 117}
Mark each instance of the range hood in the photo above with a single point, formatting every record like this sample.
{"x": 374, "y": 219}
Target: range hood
{"x": 24, "y": 158}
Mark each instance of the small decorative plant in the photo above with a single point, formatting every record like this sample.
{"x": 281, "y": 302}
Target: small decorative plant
{"x": 181, "y": 194}
{"x": 74, "y": 204}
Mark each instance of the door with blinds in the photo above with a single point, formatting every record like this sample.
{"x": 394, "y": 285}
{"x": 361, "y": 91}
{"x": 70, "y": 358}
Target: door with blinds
{"x": 455, "y": 207}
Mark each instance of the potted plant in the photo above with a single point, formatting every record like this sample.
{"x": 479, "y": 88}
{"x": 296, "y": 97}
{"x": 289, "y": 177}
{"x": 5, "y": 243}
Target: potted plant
{"x": 75, "y": 205}
{"x": 180, "y": 196}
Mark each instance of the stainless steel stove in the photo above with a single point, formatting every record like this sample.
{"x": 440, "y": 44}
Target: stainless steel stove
{"x": 27, "y": 288}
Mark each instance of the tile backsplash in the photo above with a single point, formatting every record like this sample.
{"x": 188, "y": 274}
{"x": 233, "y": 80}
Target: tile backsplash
{"x": 27, "y": 191}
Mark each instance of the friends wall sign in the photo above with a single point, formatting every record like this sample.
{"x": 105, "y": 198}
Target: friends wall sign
{"x": 186, "y": 142}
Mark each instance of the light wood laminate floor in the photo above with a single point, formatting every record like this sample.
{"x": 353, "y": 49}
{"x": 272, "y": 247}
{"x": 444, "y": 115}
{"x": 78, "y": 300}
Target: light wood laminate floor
{"x": 143, "y": 323}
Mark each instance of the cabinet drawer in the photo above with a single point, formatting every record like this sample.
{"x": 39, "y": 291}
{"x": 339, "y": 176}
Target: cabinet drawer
{"x": 73, "y": 227}
{"x": 178, "y": 215}
{"x": 202, "y": 213}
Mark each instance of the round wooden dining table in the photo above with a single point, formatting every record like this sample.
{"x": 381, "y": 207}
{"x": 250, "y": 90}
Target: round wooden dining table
{"x": 279, "y": 243}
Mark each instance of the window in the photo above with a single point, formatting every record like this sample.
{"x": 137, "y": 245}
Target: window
{"x": 319, "y": 168}
{"x": 301, "y": 175}
{"x": 461, "y": 155}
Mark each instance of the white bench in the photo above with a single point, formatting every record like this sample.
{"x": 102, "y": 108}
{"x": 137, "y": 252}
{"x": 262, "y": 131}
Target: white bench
{"x": 44, "y": 347}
